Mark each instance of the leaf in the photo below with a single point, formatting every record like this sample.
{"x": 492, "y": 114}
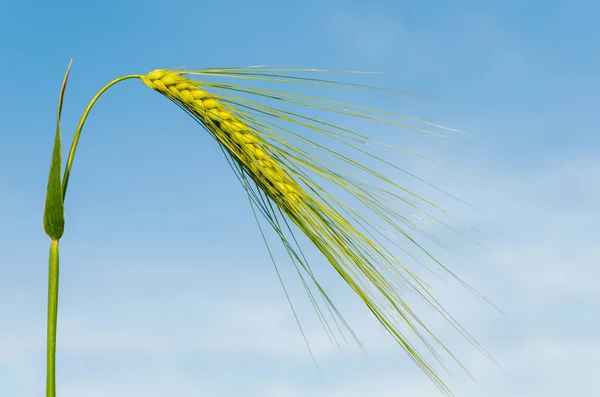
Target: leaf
{"x": 54, "y": 219}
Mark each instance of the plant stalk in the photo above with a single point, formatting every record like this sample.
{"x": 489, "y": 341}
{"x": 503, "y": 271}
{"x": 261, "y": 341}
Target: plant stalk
{"x": 52, "y": 320}
{"x": 53, "y": 269}
{"x": 80, "y": 127}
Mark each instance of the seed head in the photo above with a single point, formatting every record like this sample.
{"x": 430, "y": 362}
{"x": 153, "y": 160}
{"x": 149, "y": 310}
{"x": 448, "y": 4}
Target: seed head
{"x": 289, "y": 176}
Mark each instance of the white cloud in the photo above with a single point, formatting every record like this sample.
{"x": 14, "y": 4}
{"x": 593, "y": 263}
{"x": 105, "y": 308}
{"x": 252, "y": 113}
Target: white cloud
{"x": 134, "y": 341}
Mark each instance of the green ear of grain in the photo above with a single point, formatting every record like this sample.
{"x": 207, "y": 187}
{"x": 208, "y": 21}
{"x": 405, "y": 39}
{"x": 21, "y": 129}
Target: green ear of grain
{"x": 54, "y": 218}
{"x": 289, "y": 170}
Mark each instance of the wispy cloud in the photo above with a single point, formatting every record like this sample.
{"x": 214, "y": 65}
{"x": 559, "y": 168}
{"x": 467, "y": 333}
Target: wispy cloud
{"x": 540, "y": 270}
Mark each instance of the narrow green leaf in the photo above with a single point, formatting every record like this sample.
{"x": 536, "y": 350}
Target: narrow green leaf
{"x": 54, "y": 219}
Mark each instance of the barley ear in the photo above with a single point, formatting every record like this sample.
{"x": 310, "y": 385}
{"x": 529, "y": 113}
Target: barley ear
{"x": 293, "y": 172}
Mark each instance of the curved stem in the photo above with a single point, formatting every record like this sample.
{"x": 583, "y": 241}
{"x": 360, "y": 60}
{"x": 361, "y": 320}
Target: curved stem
{"x": 53, "y": 269}
{"x": 65, "y": 181}
{"x": 52, "y": 319}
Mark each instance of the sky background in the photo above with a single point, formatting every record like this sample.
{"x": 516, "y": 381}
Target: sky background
{"x": 166, "y": 286}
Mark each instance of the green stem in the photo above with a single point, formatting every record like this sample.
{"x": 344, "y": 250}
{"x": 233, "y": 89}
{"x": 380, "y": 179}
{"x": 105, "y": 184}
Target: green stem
{"x": 53, "y": 262}
{"x": 52, "y": 317}
{"x": 80, "y": 127}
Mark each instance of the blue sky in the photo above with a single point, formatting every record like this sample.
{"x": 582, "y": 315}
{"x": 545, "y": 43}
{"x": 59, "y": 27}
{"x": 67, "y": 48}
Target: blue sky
{"x": 166, "y": 287}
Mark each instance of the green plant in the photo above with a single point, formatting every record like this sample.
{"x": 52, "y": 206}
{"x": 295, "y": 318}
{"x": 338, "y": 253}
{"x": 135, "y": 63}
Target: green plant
{"x": 289, "y": 177}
